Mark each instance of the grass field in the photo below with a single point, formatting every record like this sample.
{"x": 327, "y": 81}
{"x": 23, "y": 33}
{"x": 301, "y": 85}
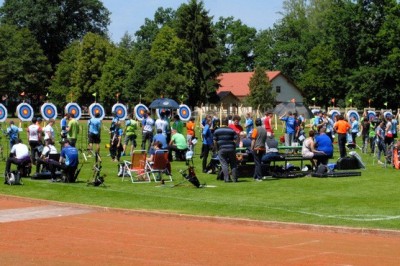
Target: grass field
{"x": 367, "y": 201}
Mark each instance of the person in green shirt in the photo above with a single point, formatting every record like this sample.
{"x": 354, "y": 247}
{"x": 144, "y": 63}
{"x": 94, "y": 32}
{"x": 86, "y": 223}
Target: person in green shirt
{"x": 130, "y": 134}
{"x": 72, "y": 129}
{"x": 177, "y": 124}
{"x": 178, "y": 144}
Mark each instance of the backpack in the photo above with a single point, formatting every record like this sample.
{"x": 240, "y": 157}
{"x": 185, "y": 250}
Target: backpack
{"x": 13, "y": 178}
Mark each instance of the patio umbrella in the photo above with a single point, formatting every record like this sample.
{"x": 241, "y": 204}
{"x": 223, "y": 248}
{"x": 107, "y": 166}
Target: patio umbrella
{"x": 165, "y": 103}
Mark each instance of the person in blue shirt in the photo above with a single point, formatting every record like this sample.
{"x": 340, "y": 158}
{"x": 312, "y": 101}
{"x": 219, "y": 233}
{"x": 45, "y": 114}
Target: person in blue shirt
{"x": 94, "y": 133}
{"x": 161, "y": 138}
{"x": 69, "y": 161}
{"x": 249, "y": 125}
{"x": 13, "y": 133}
{"x": 290, "y": 128}
{"x": 63, "y": 125}
{"x": 324, "y": 144}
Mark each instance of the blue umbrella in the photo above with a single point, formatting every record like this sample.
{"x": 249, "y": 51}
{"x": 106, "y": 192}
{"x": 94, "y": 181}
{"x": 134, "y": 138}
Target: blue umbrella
{"x": 165, "y": 103}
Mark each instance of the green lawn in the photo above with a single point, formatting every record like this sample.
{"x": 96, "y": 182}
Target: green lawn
{"x": 368, "y": 201}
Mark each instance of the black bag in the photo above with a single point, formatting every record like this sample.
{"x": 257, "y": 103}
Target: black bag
{"x": 347, "y": 163}
{"x": 13, "y": 178}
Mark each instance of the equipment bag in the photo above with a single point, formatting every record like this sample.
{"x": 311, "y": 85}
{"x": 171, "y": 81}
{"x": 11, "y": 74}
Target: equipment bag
{"x": 347, "y": 163}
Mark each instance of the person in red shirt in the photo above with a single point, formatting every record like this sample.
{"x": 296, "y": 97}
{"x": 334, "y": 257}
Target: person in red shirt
{"x": 236, "y": 125}
{"x": 268, "y": 121}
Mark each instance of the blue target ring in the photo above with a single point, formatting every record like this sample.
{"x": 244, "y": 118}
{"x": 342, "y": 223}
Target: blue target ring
{"x": 334, "y": 113}
{"x": 48, "y": 111}
{"x": 25, "y": 112}
{"x": 371, "y": 115}
{"x": 387, "y": 114}
{"x": 120, "y": 111}
{"x": 96, "y": 108}
{"x": 139, "y": 111}
{"x": 353, "y": 113}
{"x": 3, "y": 113}
{"x": 74, "y": 109}
{"x": 184, "y": 112}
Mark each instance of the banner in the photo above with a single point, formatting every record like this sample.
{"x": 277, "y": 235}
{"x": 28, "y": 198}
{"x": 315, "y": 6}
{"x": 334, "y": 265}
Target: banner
{"x": 120, "y": 111}
{"x": 48, "y": 111}
{"x": 3, "y": 113}
{"x": 184, "y": 112}
{"x": 25, "y": 112}
{"x": 75, "y": 109}
{"x": 96, "y": 108}
{"x": 139, "y": 111}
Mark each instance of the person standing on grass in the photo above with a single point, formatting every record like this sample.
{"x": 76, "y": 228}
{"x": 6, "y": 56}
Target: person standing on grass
{"x": 268, "y": 121}
{"x": 259, "y": 138}
{"x": 290, "y": 128}
{"x": 94, "y": 124}
{"x": 354, "y": 129}
{"x": 116, "y": 142}
{"x": 49, "y": 130}
{"x": 380, "y": 140}
{"x": 72, "y": 130}
{"x": 147, "y": 130}
{"x": 131, "y": 126}
{"x": 207, "y": 143}
{"x": 225, "y": 140}
{"x": 190, "y": 131}
{"x": 235, "y": 125}
{"x": 12, "y": 133}
{"x": 249, "y": 125}
{"x": 341, "y": 127}
{"x": 35, "y": 139}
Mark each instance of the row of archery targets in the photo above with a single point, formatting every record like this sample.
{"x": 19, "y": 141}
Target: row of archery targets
{"x": 49, "y": 111}
{"x": 370, "y": 113}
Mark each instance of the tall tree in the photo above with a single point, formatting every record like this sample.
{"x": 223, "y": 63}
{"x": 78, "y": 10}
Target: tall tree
{"x": 261, "y": 95}
{"x": 23, "y": 66}
{"x": 55, "y": 24}
{"x": 236, "y": 41}
{"x": 194, "y": 26}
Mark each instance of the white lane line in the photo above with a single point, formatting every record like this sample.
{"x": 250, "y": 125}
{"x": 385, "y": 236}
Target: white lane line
{"x": 30, "y": 213}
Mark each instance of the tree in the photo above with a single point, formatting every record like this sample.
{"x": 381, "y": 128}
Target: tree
{"x": 55, "y": 24}
{"x": 193, "y": 25}
{"x": 23, "y": 66}
{"x": 261, "y": 95}
{"x": 236, "y": 41}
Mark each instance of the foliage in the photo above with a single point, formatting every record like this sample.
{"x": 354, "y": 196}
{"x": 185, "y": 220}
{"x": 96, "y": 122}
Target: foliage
{"x": 261, "y": 96}
{"x": 56, "y": 24}
{"x": 236, "y": 42}
{"x": 23, "y": 66}
{"x": 193, "y": 25}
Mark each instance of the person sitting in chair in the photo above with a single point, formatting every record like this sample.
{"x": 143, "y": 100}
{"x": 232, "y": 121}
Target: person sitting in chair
{"x": 48, "y": 149}
{"x": 323, "y": 143}
{"x": 19, "y": 155}
{"x": 68, "y": 162}
{"x": 178, "y": 144}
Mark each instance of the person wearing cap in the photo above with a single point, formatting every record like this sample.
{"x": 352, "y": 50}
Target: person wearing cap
{"x": 12, "y": 133}
{"x": 68, "y": 162}
{"x": 259, "y": 138}
{"x": 290, "y": 128}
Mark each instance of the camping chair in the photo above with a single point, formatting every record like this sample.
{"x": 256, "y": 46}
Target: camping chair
{"x": 136, "y": 167}
{"x": 159, "y": 166}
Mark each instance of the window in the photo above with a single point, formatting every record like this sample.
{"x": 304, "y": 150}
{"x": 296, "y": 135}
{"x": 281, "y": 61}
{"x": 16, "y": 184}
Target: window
{"x": 278, "y": 89}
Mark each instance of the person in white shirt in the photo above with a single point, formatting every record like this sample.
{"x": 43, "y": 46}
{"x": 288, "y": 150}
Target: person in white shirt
{"x": 48, "y": 149}
{"x": 48, "y": 130}
{"x": 19, "y": 155}
{"x": 35, "y": 139}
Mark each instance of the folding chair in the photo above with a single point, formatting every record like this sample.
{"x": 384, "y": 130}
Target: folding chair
{"x": 136, "y": 167}
{"x": 159, "y": 166}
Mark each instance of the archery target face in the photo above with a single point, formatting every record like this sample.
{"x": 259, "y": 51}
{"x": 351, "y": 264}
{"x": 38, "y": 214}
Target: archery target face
{"x": 353, "y": 113}
{"x": 139, "y": 111}
{"x": 25, "y": 112}
{"x": 48, "y": 111}
{"x": 120, "y": 111}
{"x": 184, "y": 112}
{"x": 74, "y": 109}
{"x": 371, "y": 115}
{"x": 3, "y": 113}
{"x": 96, "y": 108}
{"x": 333, "y": 113}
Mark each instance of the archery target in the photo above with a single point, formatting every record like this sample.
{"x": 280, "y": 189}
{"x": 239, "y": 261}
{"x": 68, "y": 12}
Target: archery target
{"x": 184, "y": 112}
{"x": 139, "y": 111}
{"x": 333, "y": 113}
{"x": 315, "y": 111}
{"x": 120, "y": 110}
{"x": 25, "y": 112}
{"x": 371, "y": 115}
{"x": 48, "y": 111}
{"x": 353, "y": 113}
{"x": 75, "y": 109}
{"x": 387, "y": 114}
{"x": 3, "y": 113}
{"x": 96, "y": 108}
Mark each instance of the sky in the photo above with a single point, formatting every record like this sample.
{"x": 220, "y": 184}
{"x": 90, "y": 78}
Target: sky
{"x": 129, "y": 15}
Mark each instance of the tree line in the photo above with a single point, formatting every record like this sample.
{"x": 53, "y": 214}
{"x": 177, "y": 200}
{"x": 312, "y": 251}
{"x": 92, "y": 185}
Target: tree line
{"x": 338, "y": 52}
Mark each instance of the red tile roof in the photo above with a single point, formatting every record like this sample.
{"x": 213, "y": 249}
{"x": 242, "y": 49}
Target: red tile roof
{"x": 238, "y": 82}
